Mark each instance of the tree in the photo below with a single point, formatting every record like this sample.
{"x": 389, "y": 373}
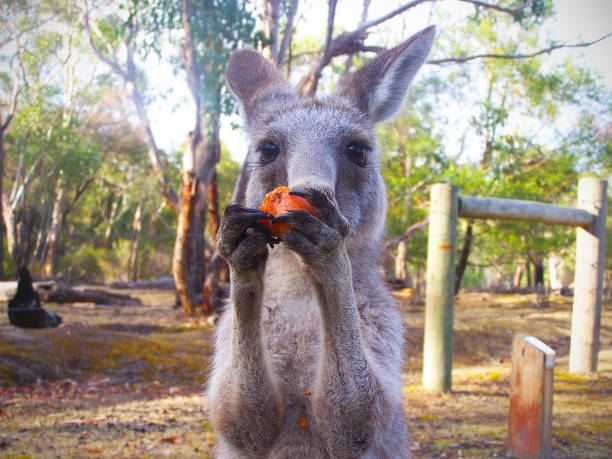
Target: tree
{"x": 502, "y": 154}
{"x": 21, "y": 28}
{"x": 209, "y": 31}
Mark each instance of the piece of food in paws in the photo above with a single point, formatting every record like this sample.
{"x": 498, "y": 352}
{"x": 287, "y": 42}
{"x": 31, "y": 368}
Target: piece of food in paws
{"x": 278, "y": 202}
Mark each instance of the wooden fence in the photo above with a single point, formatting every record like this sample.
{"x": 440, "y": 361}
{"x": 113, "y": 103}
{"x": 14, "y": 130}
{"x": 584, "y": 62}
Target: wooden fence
{"x": 446, "y": 206}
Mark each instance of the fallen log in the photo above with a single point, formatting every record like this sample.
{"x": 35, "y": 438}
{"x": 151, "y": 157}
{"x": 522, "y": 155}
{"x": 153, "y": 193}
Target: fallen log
{"x": 62, "y": 294}
{"x": 161, "y": 283}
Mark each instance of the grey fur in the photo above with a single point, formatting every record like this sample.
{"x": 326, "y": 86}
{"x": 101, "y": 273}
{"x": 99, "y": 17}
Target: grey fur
{"x": 310, "y": 331}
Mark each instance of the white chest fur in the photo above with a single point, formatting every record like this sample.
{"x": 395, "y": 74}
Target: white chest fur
{"x": 291, "y": 321}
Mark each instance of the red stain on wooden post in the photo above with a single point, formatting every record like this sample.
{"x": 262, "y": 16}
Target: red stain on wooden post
{"x": 531, "y": 385}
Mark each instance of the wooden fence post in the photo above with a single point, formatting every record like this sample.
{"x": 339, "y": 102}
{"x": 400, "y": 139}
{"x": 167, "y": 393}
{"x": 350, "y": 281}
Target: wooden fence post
{"x": 588, "y": 280}
{"x": 438, "y": 341}
{"x": 531, "y": 387}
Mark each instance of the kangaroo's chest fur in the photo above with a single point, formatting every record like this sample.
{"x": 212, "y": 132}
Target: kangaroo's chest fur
{"x": 291, "y": 323}
{"x": 291, "y": 331}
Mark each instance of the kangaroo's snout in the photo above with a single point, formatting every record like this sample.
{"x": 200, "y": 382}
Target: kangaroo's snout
{"x": 311, "y": 169}
{"x": 314, "y": 183}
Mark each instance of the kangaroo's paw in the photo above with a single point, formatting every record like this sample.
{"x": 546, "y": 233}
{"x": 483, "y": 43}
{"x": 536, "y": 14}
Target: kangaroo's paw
{"x": 242, "y": 239}
{"x": 314, "y": 239}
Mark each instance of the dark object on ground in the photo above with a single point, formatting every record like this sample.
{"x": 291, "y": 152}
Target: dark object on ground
{"x": 24, "y": 308}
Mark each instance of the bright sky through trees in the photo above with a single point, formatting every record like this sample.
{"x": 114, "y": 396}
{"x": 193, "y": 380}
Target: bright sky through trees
{"x": 575, "y": 21}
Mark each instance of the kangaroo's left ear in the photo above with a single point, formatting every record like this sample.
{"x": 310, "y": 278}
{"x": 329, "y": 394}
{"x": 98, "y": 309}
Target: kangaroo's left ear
{"x": 379, "y": 87}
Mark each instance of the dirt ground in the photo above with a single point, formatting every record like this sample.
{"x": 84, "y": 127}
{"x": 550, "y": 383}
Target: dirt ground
{"x": 126, "y": 382}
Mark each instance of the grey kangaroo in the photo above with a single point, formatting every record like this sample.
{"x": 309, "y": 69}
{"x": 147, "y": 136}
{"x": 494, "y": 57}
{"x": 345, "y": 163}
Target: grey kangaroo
{"x": 309, "y": 349}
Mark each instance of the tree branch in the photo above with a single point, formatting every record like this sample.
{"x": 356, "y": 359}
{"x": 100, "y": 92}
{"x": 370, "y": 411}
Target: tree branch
{"x": 99, "y": 54}
{"x": 15, "y": 90}
{"x": 390, "y": 245}
{"x": 364, "y": 17}
{"x": 129, "y": 79}
{"x": 80, "y": 189}
{"x": 386, "y": 17}
{"x": 464, "y": 59}
{"x": 18, "y": 190}
{"x": 308, "y": 84}
{"x": 287, "y": 33}
{"x": 513, "y": 11}
{"x": 407, "y": 192}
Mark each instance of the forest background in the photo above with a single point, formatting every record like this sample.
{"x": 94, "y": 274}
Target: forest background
{"x": 96, "y": 187}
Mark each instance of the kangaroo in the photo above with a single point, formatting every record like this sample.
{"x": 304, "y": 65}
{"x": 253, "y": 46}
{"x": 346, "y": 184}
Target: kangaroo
{"x": 309, "y": 348}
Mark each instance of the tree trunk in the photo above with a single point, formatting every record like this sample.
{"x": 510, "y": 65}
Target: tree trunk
{"x": 218, "y": 271}
{"x": 49, "y": 265}
{"x": 19, "y": 224}
{"x": 287, "y": 34}
{"x": 538, "y": 272}
{"x": 528, "y": 271}
{"x": 400, "y": 263}
{"x": 199, "y": 158}
{"x": 463, "y": 258}
{"x": 270, "y": 18}
{"x": 2, "y": 228}
{"x": 41, "y": 241}
{"x": 188, "y": 264}
{"x": 8, "y": 216}
{"x": 135, "y": 248}
{"x": 213, "y": 210}
{"x": 109, "y": 224}
{"x": 518, "y": 274}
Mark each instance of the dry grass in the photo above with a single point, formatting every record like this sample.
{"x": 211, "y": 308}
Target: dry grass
{"x": 471, "y": 421}
{"x": 125, "y": 382}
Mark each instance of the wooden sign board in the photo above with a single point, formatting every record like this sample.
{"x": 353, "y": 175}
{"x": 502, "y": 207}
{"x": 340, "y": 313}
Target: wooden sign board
{"x": 531, "y": 386}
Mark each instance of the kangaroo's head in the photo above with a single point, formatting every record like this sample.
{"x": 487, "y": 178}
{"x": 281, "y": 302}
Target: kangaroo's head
{"x": 328, "y": 142}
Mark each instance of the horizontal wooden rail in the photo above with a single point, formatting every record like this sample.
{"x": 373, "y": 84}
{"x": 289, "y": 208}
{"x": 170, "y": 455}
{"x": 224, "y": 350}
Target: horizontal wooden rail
{"x": 515, "y": 209}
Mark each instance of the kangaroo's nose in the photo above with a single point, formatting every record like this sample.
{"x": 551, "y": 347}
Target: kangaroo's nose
{"x": 316, "y": 183}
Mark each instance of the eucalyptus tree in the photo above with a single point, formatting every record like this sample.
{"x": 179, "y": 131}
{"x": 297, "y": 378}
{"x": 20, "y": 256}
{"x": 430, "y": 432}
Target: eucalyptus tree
{"x": 21, "y": 28}
{"x": 32, "y": 52}
{"x": 207, "y": 33}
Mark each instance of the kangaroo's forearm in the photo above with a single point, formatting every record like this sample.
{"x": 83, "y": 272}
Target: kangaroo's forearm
{"x": 249, "y": 406}
{"x": 348, "y": 400}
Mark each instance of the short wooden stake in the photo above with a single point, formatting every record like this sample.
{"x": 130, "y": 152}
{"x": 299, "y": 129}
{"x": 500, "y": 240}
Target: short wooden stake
{"x": 588, "y": 280}
{"x": 438, "y": 340}
{"x": 531, "y": 386}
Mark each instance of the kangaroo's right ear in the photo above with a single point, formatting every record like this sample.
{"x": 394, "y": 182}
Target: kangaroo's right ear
{"x": 251, "y": 75}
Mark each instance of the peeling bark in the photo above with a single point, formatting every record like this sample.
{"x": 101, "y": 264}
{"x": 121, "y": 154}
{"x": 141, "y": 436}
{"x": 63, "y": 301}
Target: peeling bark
{"x": 213, "y": 210}
{"x": 188, "y": 265}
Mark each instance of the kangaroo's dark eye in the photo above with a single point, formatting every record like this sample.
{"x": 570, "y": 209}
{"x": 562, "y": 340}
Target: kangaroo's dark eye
{"x": 357, "y": 153}
{"x": 268, "y": 151}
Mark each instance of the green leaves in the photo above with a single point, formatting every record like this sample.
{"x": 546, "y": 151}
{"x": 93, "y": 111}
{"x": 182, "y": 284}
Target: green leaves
{"x": 217, "y": 28}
